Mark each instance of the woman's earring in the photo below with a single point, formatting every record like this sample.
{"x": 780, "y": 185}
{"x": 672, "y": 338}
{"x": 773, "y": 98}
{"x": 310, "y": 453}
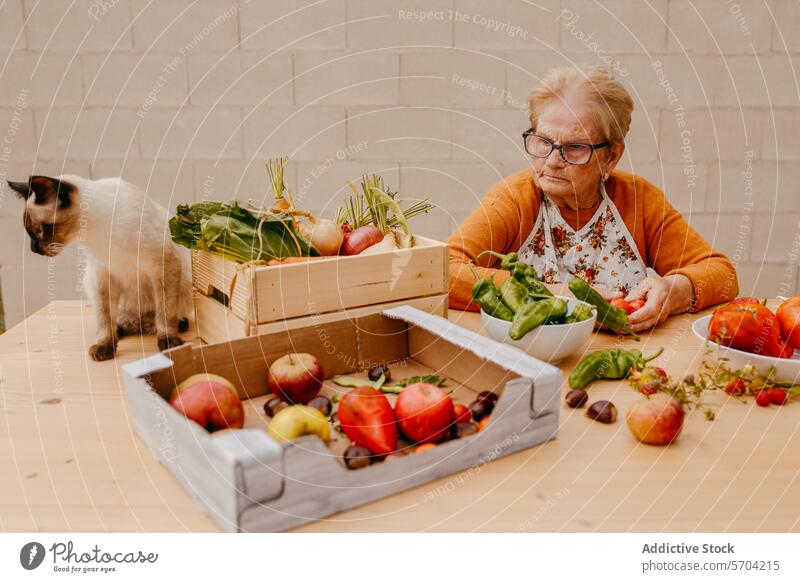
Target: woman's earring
{"x": 605, "y": 176}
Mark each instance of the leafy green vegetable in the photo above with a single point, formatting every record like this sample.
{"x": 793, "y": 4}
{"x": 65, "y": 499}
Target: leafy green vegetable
{"x": 231, "y": 231}
{"x": 432, "y": 379}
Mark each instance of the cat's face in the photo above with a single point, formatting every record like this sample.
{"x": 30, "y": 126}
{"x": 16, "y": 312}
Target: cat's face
{"x": 51, "y": 213}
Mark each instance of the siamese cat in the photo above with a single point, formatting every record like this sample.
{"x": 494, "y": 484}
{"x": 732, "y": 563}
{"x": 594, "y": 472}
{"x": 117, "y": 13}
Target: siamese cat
{"x": 138, "y": 280}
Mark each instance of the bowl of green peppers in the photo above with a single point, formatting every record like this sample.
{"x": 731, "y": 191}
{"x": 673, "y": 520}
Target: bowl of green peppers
{"x": 548, "y": 329}
{"x": 524, "y": 313}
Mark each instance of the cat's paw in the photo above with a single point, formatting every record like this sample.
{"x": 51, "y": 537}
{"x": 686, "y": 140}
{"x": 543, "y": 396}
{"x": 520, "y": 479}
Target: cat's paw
{"x": 170, "y": 341}
{"x": 103, "y": 351}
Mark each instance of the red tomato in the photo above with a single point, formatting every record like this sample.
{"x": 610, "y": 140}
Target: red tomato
{"x": 763, "y": 398}
{"x": 777, "y": 395}
{"x": 367, "y": 419}
{"x": 736, "y": 386}
{"x": 462, "y": 414}
{"x": 745, "y": 300}
{"x": 620, "y": 303}
{"x": 787, "y": 349}
{"x": 424, "y": 412}
{"x": 788, "y": 315}
{"x": 746, "y": 326}
{"x": 636, "y": 304}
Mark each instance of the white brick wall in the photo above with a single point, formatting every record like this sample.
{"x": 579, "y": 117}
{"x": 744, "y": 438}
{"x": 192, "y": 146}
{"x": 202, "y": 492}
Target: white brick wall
{"x": 190, "y": 97}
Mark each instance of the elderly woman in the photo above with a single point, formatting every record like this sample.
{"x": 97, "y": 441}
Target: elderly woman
{"x": 572, "y": 214}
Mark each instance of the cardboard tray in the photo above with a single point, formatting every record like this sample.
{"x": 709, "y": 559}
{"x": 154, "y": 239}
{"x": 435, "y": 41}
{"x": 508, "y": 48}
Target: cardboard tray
{"x": 247, "y": 482}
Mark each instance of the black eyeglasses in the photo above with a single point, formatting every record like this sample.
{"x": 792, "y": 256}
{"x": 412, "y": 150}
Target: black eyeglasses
{"x": 577, "y": 154}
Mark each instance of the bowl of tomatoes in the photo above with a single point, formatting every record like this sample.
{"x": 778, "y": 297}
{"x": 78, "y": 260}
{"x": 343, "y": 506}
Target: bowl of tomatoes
{"x": 745, "y": 331}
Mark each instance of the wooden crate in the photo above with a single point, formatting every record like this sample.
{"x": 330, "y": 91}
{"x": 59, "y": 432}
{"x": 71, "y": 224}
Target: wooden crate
{"x": 246, "y": 481}
{"x": 216, "y": 324}
{"x": 261, "y": 295}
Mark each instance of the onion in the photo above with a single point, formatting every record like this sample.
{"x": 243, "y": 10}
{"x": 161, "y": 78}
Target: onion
{"x": 387, "y": 244}
{"x": 361, "y": 238}
{"x": 326, "y": 236}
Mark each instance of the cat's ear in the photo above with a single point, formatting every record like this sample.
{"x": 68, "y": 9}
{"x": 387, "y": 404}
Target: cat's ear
{"x": 46, "y": 189}
{"x": 21, "y": 188}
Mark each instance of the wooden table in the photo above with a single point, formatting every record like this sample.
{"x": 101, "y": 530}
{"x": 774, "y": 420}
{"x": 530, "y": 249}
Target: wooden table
{"x": 71, "y": 462}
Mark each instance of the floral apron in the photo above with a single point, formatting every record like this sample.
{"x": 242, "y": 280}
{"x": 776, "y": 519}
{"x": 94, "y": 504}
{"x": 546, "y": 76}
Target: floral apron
{"x": 603, "y": 252}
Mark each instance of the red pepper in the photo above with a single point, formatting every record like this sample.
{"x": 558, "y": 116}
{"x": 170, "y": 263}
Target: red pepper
{"x": 367, "y": 418}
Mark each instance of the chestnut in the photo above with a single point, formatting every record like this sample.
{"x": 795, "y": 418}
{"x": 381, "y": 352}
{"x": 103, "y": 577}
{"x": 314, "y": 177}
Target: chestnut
{"x": 463, "y": 429}
{"x": 357, "y": 457}
{"x": 321, "y": 403}
{"x": 488, "y": 395}
{"x": 483, "y": 405}
{"x": 273, "y": 405}
{"x": 602, "y": 411}
{"x": 375, "y": 372}
{"x": 576, "y": 398}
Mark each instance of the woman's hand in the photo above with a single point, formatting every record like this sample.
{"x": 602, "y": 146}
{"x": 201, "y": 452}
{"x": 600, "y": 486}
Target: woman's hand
{"x": 663, "y": 296}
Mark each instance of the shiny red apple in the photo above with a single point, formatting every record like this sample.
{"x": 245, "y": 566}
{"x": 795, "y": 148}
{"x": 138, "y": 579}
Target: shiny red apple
{"x": 656, "y": 420}
{"x": 296, "y": 378}
{"x": 424, "y": 412}
{"x": 211, "y": 404}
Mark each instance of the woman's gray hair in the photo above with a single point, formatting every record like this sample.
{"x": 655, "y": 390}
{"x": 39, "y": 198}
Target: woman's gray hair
{"x": 608, "y": 97}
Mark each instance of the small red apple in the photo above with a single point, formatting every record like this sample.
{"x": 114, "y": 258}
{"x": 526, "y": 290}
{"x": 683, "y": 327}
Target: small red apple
{"x": 656, "y": 420}
{"x": 424, "y": 412}
{"x": 296, "y": 378}
{"x": 212, "y": 405}
{"x": 197, "y": 378}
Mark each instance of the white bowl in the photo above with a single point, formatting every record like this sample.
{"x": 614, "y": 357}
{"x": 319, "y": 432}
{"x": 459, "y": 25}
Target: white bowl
{"x": 786, "y": 369}
{"x": 549, "y": 343}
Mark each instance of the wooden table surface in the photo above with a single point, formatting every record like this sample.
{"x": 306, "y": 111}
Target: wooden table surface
{"x": 69, "y": 460}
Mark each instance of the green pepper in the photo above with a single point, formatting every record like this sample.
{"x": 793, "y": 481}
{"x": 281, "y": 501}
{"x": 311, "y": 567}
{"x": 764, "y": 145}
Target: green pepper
{"x": 611, "y": 364}
{"x": 532, "y": 315}
{"x": 513, "y": 293}
{"x": 526, "y": 275}
{"x": 488, "y": 298}
{"x": 612, "y": 317}
{"x": 582, "y": 312}
{"x": 506, "y": 261}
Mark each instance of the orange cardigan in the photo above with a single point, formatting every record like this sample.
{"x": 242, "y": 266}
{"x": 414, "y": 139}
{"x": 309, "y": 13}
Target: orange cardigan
{"x": 504, "y": 219}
